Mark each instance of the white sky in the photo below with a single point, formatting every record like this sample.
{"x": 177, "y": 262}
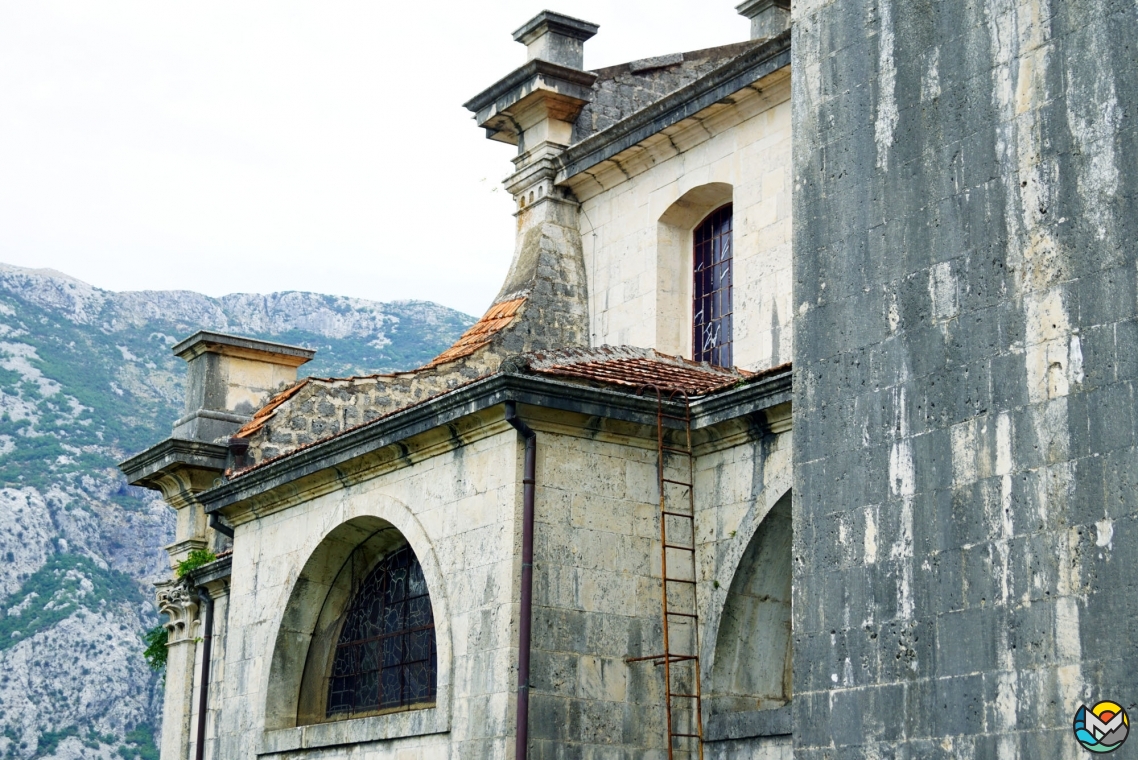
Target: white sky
{"x": 261, "y": 146}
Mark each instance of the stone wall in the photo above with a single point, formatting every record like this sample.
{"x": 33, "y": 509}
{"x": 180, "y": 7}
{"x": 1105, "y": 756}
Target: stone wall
{"x": 636, "y": 233}
{"x": 621, "y": 91}
{"x": 964, "y": 375}
{"x": 596, "y": 589}
{"x": 459, "y": 512}
{"x": 597, "y": 583}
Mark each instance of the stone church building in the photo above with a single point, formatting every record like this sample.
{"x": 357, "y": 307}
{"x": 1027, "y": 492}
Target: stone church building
{"x": 802, "y": 426}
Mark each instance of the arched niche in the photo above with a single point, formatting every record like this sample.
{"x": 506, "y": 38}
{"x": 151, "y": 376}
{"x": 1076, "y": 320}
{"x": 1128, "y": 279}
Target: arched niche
{"x": 674, "y": 264}
{"x": 752, "y": 662}
{"x": 309, "y": 629}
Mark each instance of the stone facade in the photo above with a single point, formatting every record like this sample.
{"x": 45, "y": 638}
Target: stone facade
{"x": 639, "y": 212}
{"x": 964, "y": 428}
{"x": 455, "y": 494}
{"x": 900, "y": 548}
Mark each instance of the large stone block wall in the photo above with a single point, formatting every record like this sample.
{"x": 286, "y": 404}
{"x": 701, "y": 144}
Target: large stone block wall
{"x": 596, "y": 599}
{"x": 459, "y": 510}
{"x": 965, "y": 440}
{"x": 597, "y": 582}
{"x": 623, "y": 240}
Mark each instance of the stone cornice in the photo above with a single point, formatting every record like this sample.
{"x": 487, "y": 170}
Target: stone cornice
{"x": 214, "y": 577}
{"x": 207, "y": 341}
{"x": 682, "y": 104}
{"x": 445, "y": 411}
{"x": 147, "y": 468}
{"x": 507, "y": 88}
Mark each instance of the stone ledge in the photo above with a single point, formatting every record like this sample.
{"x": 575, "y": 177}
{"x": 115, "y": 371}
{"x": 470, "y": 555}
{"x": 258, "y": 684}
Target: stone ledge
{"x": 143, "y": 469}
{"x": 397, "y": 725}
{"x": 207, "y": 341}
{"x": 523, "y": 80}
{"x": 758, "y": 395}
{"x": 749, "y": 725}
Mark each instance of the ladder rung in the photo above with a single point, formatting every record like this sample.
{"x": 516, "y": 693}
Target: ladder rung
{"x": 679, "y": 580}
{"x": 674, "y": 450}
{"x": 677, "y": 546}
{"x": 662, "y": 657}
{"x": 678, "y": 514}
{"x": 676, "y": 482}
{"x": 693, "y": 736}
{"x": 673, "y": 417}
{"x": 674, "y": 658}
{"x": 681, "y": 614}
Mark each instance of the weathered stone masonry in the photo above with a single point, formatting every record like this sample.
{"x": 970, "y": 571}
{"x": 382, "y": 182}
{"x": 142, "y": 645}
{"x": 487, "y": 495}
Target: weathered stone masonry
{"x": 965, "y": 533}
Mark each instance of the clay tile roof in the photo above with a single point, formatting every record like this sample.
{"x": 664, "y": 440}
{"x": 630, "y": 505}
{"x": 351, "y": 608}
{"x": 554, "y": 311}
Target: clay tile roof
{"x": 496, "y": 319}
{"x": 265, "y": 413}
{"x": 634, "y": 368}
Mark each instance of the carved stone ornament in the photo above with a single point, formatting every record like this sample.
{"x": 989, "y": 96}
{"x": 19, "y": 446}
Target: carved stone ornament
{"x": 180, "y": 603}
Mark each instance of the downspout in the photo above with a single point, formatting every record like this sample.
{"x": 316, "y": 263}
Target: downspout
{"x": 203, "y": 694}
{"x": 521, "y": 748}
{"x": 216, "y": 523}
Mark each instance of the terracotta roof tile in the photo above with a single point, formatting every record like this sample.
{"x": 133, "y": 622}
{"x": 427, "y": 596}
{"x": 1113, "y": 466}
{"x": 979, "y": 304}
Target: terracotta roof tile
{"x": 265, "y": 413}
{"x": 480, "y": 333}
{"x": 635, "y": 368}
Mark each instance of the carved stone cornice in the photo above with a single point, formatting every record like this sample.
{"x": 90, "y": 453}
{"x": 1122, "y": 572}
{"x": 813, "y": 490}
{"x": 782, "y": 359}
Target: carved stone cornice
{"x": 179, "y": 603}
{"x": 178, "y": 468}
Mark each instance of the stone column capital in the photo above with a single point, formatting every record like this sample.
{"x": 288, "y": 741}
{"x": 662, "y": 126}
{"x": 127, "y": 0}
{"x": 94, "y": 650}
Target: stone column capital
{"x": 180, "y": 604}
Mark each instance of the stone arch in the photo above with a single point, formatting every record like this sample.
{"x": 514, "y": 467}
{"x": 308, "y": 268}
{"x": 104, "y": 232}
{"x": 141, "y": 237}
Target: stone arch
{"x": 307, "y": 632}
{"x": 674, "y": 263}
{"x": 751, "y": 662}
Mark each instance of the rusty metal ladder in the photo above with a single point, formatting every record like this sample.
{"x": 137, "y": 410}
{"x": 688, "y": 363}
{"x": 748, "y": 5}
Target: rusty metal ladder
{"x": 680, "y": 618}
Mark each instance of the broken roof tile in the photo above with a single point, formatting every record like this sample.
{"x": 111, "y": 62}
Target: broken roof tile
{"x": 265, "y": 413}
{"x": 499, "y": 316}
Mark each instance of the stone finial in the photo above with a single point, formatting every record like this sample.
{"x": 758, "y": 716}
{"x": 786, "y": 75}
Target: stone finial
{"x": 769, "y": 18}
{"x": 230, "y": 378}
{"x": 556, "y": 38}
{"x": 534, "y": 106}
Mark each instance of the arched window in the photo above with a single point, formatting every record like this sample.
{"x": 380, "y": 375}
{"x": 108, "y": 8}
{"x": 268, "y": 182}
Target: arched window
{"x": 385, "y": 654}
{"x": 711, "y": 290}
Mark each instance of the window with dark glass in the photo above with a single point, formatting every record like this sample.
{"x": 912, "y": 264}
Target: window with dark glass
{"x": 711, "y": 291}
{"x": 385, "y": 655}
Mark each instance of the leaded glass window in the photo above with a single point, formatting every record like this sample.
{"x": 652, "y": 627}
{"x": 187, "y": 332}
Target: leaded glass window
{"x": 711, "y": 291}
{"x": 385, "y": 655}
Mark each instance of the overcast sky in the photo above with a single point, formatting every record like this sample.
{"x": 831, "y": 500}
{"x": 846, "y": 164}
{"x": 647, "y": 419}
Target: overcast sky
{"x": 262, "y": 146}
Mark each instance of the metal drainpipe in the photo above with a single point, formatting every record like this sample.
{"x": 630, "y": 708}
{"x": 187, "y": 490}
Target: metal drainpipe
{"x": 521, "y": 748}
{"x": 216, "y": 523}
{"x": 203, "y": 694}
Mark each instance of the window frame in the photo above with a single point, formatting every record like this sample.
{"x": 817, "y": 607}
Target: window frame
{"x": 715, "y": 303}
{"x": 363, "y": 603}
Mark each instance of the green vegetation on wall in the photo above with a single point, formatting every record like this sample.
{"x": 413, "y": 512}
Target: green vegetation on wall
{"x": 155, "y": 653}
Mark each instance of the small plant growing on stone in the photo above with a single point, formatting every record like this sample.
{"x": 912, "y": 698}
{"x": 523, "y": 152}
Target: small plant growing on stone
{"x": 155, "y": 652}
{"x": 196, "y": 559}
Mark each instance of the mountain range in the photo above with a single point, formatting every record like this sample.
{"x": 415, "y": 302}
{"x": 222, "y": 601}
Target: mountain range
{"x": 87, "y": 379}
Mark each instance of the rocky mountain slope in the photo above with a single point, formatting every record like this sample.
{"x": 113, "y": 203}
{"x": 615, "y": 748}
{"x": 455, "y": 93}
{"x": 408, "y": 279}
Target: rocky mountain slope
{"x": 87, "y": 379}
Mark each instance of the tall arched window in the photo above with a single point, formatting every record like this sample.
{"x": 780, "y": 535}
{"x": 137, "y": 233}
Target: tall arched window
{"x": 385, "y": 654}
{"x": 711, "y": 291}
